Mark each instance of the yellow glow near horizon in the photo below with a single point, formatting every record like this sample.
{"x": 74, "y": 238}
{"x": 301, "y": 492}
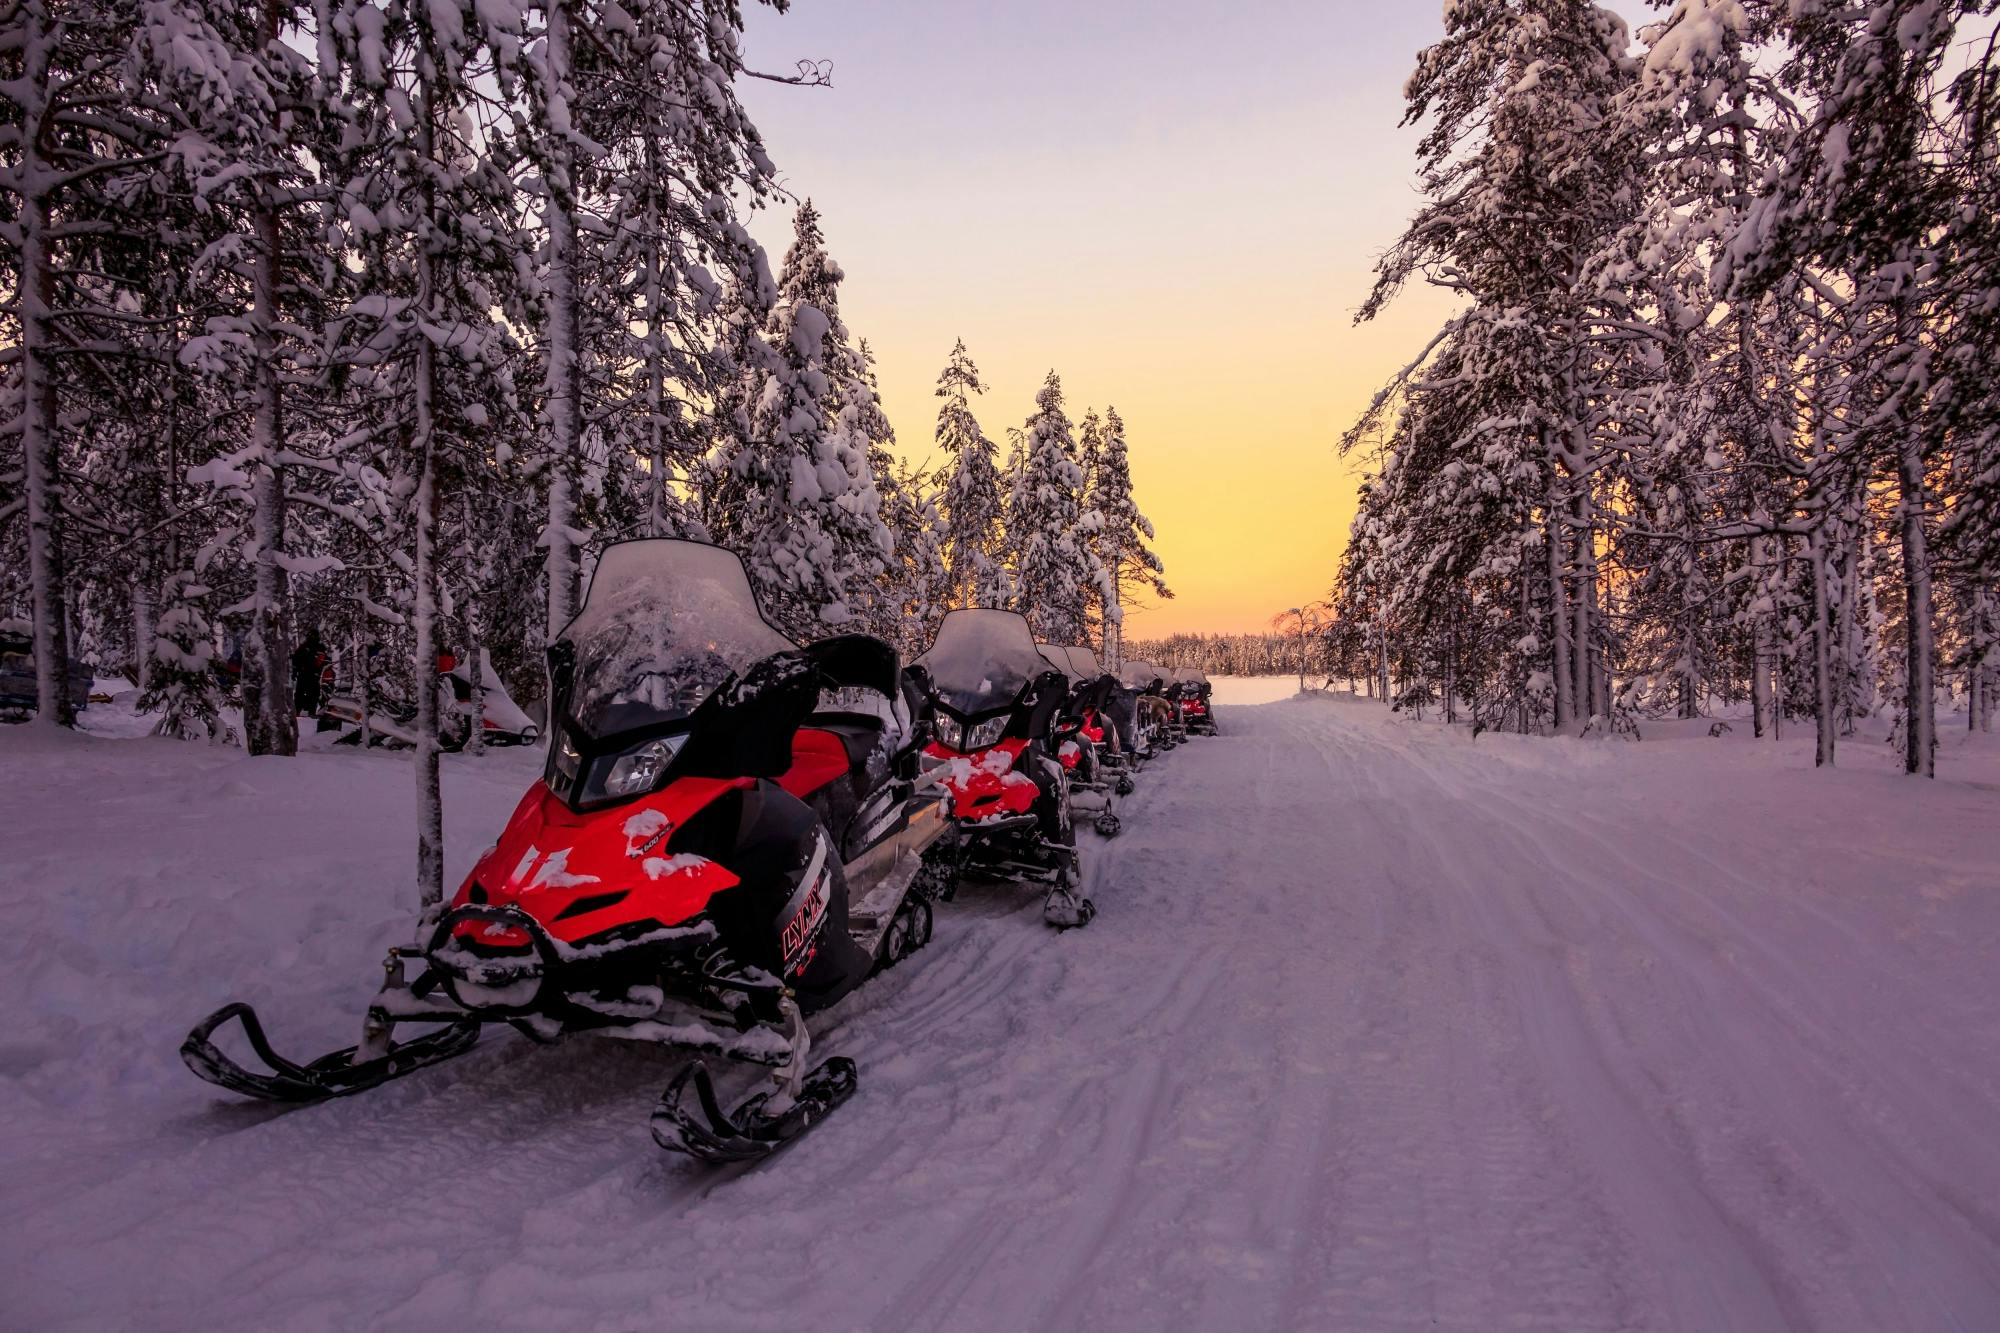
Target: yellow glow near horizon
{"x": 1074, "y": 190}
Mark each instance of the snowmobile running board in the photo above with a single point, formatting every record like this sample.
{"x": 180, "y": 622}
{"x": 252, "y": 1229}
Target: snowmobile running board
{"x": 338, "y": 1074}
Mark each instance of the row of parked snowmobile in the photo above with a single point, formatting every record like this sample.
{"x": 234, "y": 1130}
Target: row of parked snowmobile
{"x": 732, "y": 831}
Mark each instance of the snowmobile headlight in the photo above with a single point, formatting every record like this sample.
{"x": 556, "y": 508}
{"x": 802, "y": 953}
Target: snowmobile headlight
{"x": 639, "y": 769}
{"x": 986, "y": 733}
{"x": 951, "y": 733}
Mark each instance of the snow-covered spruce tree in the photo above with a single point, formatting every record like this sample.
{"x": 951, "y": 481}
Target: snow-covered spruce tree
{"x": 1121, "y": 533}
{"x": 913, "y": 597}
{"x": 182, "y": 663}
{"x": 971, "y": 500}
{"x": 1450, "y": 527}
{"x": 802, "y": 508}
{"x": 267, "y": 116}
{"x": 427, "y": 208}
{"x": 1524, "y": 185}
{"x": 85, "y": 156}
{"x": 665, "y": 157}
{"x": 1054, "y": 569}
{"x": 1969, "y": 399}
{"x": 910, "y": 596}
{"x": 1706, "y": 434}
{"x": 1867, "y": 194}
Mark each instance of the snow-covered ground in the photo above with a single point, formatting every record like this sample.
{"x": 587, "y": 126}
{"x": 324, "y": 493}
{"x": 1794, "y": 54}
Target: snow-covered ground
{"x": 1379, "y": 1028}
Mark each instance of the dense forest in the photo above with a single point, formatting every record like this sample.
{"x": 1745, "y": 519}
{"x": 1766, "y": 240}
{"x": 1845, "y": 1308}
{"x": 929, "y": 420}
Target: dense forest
{"x": 378, "y": 320}
{"x": 1718, "y": 417}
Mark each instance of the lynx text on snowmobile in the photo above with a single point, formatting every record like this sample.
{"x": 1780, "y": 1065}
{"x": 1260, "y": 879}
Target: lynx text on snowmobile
{"x": 731, "y": 833}
{"x": 998, "y": 717}
{"x": 1086, "y": 754}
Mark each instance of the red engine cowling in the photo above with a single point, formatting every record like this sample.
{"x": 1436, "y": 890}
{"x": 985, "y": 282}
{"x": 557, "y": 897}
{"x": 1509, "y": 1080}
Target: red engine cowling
{"x": 985, "y": 785}
{"x": 580, "y": 875}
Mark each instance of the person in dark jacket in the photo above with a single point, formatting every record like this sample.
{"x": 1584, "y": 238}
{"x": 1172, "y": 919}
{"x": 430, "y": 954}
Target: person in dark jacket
{"x": 308, "y": 663}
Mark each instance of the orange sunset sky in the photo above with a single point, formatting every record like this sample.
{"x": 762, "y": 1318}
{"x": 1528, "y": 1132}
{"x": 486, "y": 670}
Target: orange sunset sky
{"x": 1175, "y": 205}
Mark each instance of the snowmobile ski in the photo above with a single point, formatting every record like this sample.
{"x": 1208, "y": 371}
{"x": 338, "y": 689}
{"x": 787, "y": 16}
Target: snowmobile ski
{"x": 338, "y": 1074}
{"x": 754, "y": 1129}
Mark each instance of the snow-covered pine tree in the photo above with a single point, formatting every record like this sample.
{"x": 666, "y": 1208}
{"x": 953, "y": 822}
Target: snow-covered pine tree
{"x": 181, "y": 667}
{"x": 971, "y": 499}
{"x": 87, "y": 169}
{"x": 439, "y": 250}
{"x": 1054, "y": 569}
{"x": 1712, "y": 447}
{"x": 914, "y": 593}
{"x": 1867, "y": 194}
{"x": 1122, "y": 534}
{"x": 803, "y": 510}
{"x": 1524, "y": 184}
{"x": 268, "y": 117}
{"x": 911, "y": 596}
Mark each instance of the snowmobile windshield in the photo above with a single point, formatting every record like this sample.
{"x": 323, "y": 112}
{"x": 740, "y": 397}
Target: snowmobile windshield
{"x": 665, "y": 623}
{"x": 1057, "y": 658}
{"x": 1083, "y": 663}
{"x": 982, "y": 660}
{"x": 1140, "y": 675}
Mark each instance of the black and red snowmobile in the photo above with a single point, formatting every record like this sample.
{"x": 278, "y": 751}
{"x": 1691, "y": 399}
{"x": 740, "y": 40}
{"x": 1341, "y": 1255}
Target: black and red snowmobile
{"x": 730, "y": 834}
{"x": 1196, "y": 704}
{"x": 1094, "y": 787}
{"x": 1155, "y": 714}
{"x": 998, "y": 721}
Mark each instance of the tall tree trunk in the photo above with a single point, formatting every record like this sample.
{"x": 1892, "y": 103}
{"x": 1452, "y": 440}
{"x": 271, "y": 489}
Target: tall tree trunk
{"x": 1114, "y": 615}
{"x": 1764, "y": 646}
{"x": 270, "y": 722}
{"x": 561, "y": 386}
{"x": 1919, "y": 693}
{"x": 1825, "y": 733}
{"x": 430, "y": 797}
{"x": 142, "y": 626}
{"x": 1561, "y": 654}
{"x": 656, "y": 368}
{"x": 1583, "y": 640}
{"x": 39, "y": 424}
{"x": 1853, "y": 570}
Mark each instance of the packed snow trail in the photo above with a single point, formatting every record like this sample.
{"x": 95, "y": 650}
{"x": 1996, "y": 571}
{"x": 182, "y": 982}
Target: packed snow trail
{"x": 1379, "y": 1027}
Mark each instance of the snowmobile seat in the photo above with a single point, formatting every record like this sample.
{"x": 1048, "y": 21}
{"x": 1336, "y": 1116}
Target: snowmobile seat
{"x": 860, "y": 734}
{"x": 819, "y": 757}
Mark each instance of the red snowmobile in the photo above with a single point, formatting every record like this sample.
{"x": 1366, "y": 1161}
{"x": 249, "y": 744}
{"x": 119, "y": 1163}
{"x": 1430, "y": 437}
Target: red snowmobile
{"x": 731, "y": 833}
{"x": 1088, "y": 755}
{"x": 1191, "y": 696}
{"x": 998, "y": 720}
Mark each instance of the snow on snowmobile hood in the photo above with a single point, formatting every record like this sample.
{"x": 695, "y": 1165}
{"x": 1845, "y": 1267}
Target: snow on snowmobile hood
{"x": 982, "y": 660}
{"x": 665, "y": 623}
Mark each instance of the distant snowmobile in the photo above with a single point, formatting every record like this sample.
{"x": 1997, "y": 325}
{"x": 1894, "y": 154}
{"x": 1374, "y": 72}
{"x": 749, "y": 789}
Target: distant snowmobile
{"x": 1193, "y": 700}
{"x": 1093, "y": 786}
{"x": 731, "y": 834}
{"x": 1155, "y": 714}
{"x": 392, "y": 721}
{"x": 998, "y": 715}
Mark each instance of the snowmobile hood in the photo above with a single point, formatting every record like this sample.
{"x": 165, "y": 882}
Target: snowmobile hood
{"x": 581, "y": 875}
